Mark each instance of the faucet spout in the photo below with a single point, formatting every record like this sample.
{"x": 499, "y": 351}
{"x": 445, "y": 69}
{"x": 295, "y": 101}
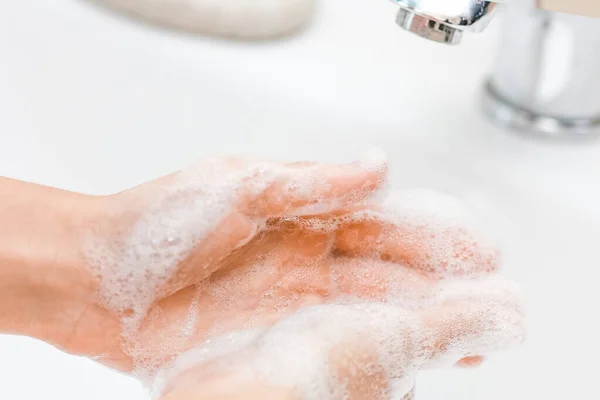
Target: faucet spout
{"x": 444, "y": 21}
{"x": 545, "y": 81}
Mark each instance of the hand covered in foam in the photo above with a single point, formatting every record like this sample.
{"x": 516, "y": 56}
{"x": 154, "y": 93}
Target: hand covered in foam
{"x": 348, "y": 306}
{"x": 247, "y": 274}
{"x": 173, "y": 233}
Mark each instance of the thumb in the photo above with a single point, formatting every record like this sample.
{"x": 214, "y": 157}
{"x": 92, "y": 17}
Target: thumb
{"x": 320, "y": 352}
{"x": 472, "y": 327}
{"x": 300, "y": 189}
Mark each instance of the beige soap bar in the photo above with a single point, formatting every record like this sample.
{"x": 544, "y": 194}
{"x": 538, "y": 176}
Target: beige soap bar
{"x": 590, "y": 8}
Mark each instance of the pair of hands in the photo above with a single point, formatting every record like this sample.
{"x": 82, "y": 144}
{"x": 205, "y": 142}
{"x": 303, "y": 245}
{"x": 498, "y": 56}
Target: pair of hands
{"x": 279, "y": 254}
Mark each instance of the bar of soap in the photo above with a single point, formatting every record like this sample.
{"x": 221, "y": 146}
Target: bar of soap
{"x": 251, "y": 19}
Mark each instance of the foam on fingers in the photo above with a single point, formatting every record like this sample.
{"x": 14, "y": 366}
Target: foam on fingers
{"x": 353, "y": 350}
{"x": 427, "y": 231}
{"x": 208, "y": 352}
{"x": 387, "y": 321}
{"x": 360, "y": 347}
{"x": 474, "y": 330}
{"x": 322, "y": 188}
{"x": 319, "y": 351}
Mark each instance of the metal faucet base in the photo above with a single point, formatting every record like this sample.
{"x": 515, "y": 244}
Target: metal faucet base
{"x": 506, "y": 114}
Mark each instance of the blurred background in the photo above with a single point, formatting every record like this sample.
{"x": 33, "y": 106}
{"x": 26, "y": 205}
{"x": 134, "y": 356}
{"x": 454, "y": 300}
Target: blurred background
{"x": 96, "y": 101}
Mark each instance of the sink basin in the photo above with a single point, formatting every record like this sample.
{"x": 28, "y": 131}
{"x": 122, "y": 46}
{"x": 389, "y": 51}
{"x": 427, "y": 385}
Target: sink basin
{"x": 96, "y": 103}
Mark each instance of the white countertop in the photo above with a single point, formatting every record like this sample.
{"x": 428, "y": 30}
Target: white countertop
{"x": 97, "y": 103}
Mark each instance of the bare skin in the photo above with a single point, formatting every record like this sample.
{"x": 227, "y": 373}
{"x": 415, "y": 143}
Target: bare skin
{"x": 48, "y": 291}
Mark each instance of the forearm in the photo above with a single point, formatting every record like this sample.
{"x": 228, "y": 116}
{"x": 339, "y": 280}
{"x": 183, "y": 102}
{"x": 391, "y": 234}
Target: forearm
{"x": 43, "y": 280}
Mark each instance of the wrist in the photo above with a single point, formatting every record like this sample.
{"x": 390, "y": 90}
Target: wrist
{"x": 44, "y": 281}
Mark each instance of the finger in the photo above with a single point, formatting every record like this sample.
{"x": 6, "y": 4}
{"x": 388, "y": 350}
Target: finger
{"x": 310, "y": 189}
{"x": 230, "y": 389}
{"x": 470, "y": 362}
{"x": 299, "y": 188}
{"x": 212, "y": 371}
{"x": 184, "y": 224}
{"x": 470, "y": 304}
{"x": 466, "y": 329}
{"x": 428, "y": 232}
{"x": 355, "y": 351}
{"x": 376, "y": 280}
{"x": 227, "y": 389}
{"x": 361, "y": 351}
{"x": 320, "y": 352}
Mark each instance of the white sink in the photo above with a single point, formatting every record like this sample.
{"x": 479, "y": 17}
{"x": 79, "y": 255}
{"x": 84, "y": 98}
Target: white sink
{"x": 94, "y": 103}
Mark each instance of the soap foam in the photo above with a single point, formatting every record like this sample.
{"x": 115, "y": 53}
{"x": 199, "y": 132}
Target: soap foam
{"x": 209, "y": 351}
{"x": 133, "y": 272}
{"x": 311, "y": 352}
{"x": 311, "y": 338}
{"x": 135, "y": 266}
{"x": 443, "y": 237}
{"x": 387, "y": 314}
{"x": 317, "y": 333}
{"x": 384, "y": 318}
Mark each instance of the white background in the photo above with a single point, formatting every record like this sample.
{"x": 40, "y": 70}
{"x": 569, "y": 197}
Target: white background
{"x": 97, "y": 103}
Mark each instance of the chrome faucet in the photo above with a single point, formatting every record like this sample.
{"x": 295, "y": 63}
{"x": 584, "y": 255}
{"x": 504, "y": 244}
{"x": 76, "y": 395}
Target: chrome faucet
{"x": 546, "y": 80}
